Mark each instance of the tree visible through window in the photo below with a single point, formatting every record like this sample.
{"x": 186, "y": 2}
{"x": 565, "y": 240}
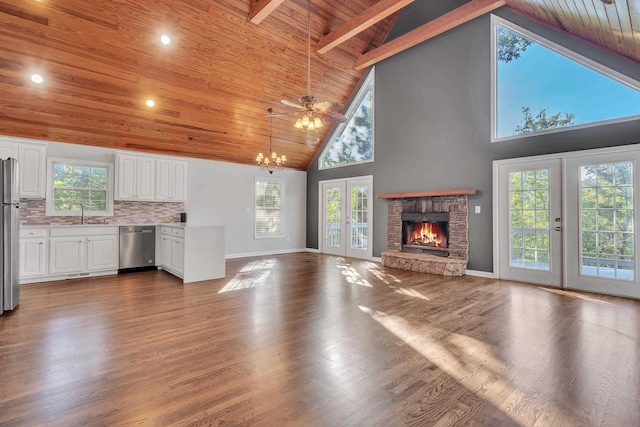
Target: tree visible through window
{"x": 269, "y": 208}
{"x": 73, "y": 183}
{"x": 353, "y": 142}
{"x": 540, "y": 86}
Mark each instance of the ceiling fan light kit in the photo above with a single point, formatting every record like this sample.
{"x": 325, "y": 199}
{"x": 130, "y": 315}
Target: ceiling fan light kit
{"x": 314, "y": 111}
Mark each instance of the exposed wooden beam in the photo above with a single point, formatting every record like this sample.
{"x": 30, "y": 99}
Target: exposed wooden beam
{"x": 444, "y": 23}
{"x": 260, "y": 9}
{"x": 374, "y": 14}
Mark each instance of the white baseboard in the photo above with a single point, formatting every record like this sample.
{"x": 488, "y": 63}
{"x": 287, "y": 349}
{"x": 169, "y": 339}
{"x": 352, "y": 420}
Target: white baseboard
{"x": 477, "y": 273}
{"x": 313, "y": 250}
{"x": 266, "y": 253}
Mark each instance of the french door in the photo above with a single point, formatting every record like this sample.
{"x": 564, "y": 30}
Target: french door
{"x": 568, "y": 221}
{"x": 346, "y": 217}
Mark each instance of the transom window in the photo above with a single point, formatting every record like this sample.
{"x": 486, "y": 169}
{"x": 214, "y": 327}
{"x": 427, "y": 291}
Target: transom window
{"x": 539, "y": 86}
{"x": 269, "y": 208}
{"x": 75, "y": 186}
{"x": 353, "y": 142}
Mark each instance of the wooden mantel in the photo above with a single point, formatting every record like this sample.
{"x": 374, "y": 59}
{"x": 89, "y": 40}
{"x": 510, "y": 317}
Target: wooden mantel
{"x": 463, "y": 192}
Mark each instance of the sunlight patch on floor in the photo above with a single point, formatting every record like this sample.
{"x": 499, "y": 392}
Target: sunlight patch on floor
{"x": 380, "y": 274}
{"x": 578, "y": 295}
{"x": 352, "y": 275}
{"x": 409, "y": 292}
{"x": 469, "y": 361}
{"x": 252, "y": 275}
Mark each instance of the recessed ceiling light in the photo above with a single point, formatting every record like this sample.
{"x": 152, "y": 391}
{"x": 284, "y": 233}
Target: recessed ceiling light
{"x": 36, "y": 78}
{"x": 150, "y": 103}
{"x": 165, "y": 39}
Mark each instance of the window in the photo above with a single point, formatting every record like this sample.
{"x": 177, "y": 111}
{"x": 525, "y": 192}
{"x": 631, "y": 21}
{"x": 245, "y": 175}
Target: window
{"x": 539, "y": 86}
{"x": 74, "y": 185}
{"x": 352, "y": 142}
{"x": 269, "y": 208}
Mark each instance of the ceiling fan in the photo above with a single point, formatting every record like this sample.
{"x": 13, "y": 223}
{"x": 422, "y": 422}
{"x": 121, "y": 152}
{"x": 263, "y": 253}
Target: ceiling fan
{"x": 312, "y": 110}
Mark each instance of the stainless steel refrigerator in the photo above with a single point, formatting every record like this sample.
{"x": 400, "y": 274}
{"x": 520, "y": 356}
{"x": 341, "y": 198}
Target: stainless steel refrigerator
{"x": 9, "y": 235}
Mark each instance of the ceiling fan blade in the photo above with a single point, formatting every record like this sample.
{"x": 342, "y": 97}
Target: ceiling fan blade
{"x": 334, "y": 117}
{"x": 292, "y": 104}
{"x": 328, "y": 106}
{"x": 280, "y": 114}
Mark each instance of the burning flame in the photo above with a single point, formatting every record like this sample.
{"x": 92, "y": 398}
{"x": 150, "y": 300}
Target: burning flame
{"x": 427, "y": 234}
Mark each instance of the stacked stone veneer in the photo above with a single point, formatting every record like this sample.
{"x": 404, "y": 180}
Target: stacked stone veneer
{"x": 33, "y": 212}
{"x": 456, "y": 263}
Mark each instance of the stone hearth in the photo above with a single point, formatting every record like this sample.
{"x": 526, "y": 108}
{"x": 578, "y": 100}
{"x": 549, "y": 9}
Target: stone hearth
{"x": 455, "y": 203}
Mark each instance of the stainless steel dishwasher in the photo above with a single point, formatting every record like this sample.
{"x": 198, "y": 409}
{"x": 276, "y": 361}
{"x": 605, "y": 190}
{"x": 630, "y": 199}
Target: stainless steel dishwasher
{"x": 137, "y": 248}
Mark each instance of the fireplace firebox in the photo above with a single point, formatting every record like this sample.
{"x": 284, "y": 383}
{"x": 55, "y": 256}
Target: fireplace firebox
{"x": 425, "y": 233}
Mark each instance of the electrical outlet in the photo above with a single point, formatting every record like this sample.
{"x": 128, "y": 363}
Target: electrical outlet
{"x": 477, "y": 209}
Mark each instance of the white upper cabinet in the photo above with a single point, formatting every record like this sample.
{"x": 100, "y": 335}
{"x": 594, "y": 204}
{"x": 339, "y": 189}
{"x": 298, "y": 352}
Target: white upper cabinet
{"x": 135, "y": 176}
{"x": 32, "y": 166}
{"x": 150, "y": 178}
{"x": 171, "y": 180}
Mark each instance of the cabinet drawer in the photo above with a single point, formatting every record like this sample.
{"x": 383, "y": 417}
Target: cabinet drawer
{"x": 33, "y": 232}
{"x": 84, "y": 230}
{"x": 178, "y": 232}
{"x": 165, "y": 230}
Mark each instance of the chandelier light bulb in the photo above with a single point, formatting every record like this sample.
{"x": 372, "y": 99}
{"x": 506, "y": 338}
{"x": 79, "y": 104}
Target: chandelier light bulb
{"x": 298, "y": 124}
{"x": 305, "y": 120}
{"x": 317, "y": 122}
{"x": 37, "y": 78}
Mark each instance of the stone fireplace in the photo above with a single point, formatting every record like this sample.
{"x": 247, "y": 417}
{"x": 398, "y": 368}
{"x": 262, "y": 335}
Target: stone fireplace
{"x": 428, "y": 231}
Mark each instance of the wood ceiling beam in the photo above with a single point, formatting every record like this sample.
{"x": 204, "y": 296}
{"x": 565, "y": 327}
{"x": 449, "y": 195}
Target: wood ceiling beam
{"x": 372, "y": 15}
{"x": 444, "y": 23}
{"x": 260, "y": 9}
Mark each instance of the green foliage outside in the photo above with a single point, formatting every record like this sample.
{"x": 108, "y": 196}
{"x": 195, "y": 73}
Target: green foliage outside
{"x": 79, "y": 184}
{"x": 268, "y": 207}
{"x": 355, "y": 142}
{"x": 510, "y": 47}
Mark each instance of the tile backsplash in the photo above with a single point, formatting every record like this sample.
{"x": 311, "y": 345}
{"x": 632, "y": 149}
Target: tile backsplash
{"x": 32, "y": 212}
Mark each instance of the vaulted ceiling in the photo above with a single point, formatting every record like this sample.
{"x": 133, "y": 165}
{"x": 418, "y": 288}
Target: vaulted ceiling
{"x": 227, "y": 63}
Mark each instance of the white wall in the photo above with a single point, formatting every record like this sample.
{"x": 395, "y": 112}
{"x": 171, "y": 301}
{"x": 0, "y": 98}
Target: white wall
{"x": 220, "y": 193}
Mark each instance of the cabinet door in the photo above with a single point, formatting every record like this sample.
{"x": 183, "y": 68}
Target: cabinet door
{"x": 102, "y": 253}
{"x": 177, "y": 254}
{"x": 126, "y": 188}
{"x": 165, "y": 251}
{"x": 163, "y": 180}
{"x": 179, "y": 181}
{"x": 8, "y": 149}
{"x": 66, "y": 255}
{"x": 32, "y": 257}
{"x": 32, "y": 170}
{"x": 146, "y": 178}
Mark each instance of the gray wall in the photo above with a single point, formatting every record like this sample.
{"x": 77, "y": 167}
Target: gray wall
{"x": 433, "y": 122}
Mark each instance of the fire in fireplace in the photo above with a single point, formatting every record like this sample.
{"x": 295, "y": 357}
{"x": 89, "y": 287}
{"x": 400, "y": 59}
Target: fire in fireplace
{"x": 425, "y": 232}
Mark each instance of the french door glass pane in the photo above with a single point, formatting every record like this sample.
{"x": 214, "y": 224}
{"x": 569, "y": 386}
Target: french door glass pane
{"x": 333, "y": 215}
{"x": 606, "y": 220}
{"x": 529, "y": 219}
{"x": 359, "y": 232}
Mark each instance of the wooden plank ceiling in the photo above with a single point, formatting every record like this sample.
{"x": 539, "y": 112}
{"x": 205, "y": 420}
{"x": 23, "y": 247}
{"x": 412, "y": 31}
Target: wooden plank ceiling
{"x": 229, "y": 61}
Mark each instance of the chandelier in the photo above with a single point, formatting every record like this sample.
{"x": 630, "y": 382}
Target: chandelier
{"x": 273, "y": 162}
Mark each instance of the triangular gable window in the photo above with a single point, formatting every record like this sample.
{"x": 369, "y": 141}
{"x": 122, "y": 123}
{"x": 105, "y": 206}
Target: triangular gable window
{"x": 540, "y": 86}
{"x": 352, "y": 142}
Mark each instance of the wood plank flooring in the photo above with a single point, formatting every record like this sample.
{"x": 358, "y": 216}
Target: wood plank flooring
{"x": 314, "y": 340}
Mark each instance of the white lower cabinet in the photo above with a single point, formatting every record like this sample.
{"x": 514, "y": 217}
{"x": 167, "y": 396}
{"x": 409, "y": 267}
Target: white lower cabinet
{"x": 66, "y": 255}
{"x": 33, "y": 253}
{"x": 193, "y": 253}
{"x": 62, "y": 252}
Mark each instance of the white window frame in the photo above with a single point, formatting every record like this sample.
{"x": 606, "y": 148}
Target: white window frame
{"x": 282, "y": 209}
{"x": 51, "y": 211}
{"x": 582, "y": 60}
{"x": 370, "y": 78}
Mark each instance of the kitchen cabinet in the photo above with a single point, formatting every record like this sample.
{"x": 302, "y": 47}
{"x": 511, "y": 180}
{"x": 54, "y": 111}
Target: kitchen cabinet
{"x": 33, "y": 253}
{"x": 193, "y": 253}
{"x": 172, "y": 250}
{"x": 171, "y": 180}
{"x": 66, "y": 254}
{"x": 136, "y": 178}
{"x": 102, "y": 253}
{"x": 32, "y": 165}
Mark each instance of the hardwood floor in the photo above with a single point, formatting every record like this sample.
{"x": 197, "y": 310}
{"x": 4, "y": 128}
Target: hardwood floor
{"x": 313, "y": 340}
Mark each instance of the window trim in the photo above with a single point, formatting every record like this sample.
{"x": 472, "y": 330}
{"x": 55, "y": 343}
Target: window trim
{"x": 574, "y": 56}
{"x": 50, "y": 211}
{"x": 282, "y": 233}
{"x": 339, "y": 128}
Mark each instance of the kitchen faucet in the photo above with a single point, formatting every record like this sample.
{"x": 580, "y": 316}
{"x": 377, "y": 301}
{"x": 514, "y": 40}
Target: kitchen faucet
{"x": 81, "y": 210}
